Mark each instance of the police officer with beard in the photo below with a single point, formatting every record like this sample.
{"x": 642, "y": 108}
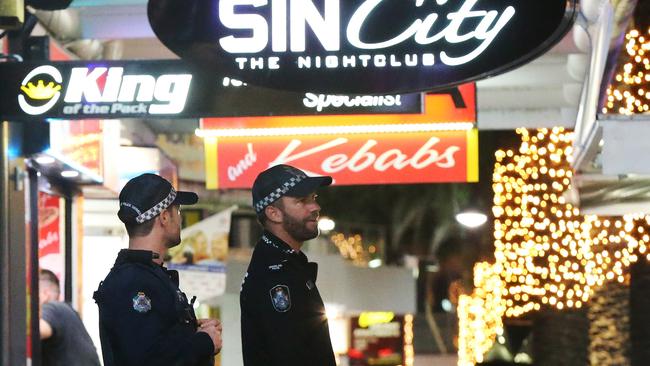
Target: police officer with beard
{"x": 144, "y": 318}
{"x": 282, "y": 314}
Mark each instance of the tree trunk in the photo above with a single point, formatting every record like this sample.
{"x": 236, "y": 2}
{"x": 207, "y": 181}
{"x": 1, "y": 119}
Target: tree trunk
{"x": 640, "y": 313}
{"x": 609, "y": 325}
{"x": 561, "y": 338}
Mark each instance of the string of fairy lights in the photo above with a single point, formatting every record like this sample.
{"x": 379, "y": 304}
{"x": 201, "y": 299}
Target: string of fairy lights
{"x": 631, "y": 95}
{"x": 539, "y": 241}
{"x": 546, "y": 253}
{"x": 409, "y": 352}
{"x": 352, "y": 247}
{"x": 480, "y": 315}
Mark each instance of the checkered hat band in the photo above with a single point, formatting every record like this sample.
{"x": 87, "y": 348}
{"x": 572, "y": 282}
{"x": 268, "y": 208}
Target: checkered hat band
{"x": 278, "y": 192}
{"x": 157, "y": 209}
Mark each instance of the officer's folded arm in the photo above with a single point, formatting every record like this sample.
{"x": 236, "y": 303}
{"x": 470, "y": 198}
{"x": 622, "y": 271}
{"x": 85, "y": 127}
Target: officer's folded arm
{"x": 146, "y": 327}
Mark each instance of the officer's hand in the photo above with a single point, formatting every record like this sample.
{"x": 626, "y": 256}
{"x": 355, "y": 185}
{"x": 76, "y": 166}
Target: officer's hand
{"x": 206, "y": 322}
{"x": 213, "y": 329}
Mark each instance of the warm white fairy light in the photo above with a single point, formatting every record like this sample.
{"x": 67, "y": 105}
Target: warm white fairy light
{"x": 630, "y": 90}
{"x": 539, "y": 241}
{"x": 409, "y": 352}
{"x": 354, "y": 248}
{"x": 479, "y": 315}
{"x": 546, "y": 252}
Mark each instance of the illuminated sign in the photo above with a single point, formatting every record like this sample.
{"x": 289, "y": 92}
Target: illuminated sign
{"x": 51, "y": 234}
{"x": 453, "y": 105}
{"x": 338, "y": 102}
{"x": 386, "y": 341}
{"x": 103, "y": 91}
{"x": 367, "y": 319}
{"x": 170, "y": 88}
{"x": 360, "y": 46}
{"x": 79, "y": 143}
{"x": 378, "y": 158}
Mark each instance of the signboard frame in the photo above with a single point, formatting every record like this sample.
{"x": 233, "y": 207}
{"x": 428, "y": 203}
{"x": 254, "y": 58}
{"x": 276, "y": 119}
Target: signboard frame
{"x": 164, "y": 89}
{"x": 360, "y": 46}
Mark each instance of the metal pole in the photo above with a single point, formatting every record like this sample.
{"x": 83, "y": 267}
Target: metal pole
{"x": 4, "y": 240}
{"x": 69, "y": 273}
{"x": 33, "y": 275}
{"x": 13, "y": 313}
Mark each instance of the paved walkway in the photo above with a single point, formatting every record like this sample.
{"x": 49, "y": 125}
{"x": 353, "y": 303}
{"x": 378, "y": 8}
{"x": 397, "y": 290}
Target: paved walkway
{"x": 436, "y": 360}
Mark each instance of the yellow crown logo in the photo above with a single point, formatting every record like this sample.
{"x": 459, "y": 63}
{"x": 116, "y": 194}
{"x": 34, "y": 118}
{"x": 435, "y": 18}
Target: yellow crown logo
{"x": 40, "y": 91}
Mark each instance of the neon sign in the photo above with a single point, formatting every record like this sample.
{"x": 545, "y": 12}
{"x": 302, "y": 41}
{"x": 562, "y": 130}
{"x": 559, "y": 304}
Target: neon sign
{"x": 372, "y": 158}
{"x": 327, "y": 28}
{"x": 167, "y": 88}
{"x": 360, "y": 46}
{"x": 102, "y": 91}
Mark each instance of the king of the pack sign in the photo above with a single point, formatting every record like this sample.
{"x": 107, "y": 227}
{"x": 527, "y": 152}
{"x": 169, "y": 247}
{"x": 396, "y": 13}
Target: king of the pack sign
{"x": 360, "y": 46}
{"x": 168, "y": 89}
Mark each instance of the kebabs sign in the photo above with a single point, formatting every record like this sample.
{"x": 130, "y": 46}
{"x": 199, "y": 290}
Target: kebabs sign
{"x": 351, "y": 159}
{"x": 360, "y": 46}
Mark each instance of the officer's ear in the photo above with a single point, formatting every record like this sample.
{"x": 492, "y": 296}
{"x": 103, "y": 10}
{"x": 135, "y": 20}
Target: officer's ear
{"x": 165, "y": 217}
{"x": 273, "y": 213}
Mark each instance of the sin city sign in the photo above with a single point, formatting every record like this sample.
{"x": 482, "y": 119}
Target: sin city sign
{"x": 360, "y": 46}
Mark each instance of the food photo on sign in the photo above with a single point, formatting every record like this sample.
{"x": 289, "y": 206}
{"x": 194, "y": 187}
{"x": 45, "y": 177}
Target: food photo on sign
{"x": 201, "y": 257}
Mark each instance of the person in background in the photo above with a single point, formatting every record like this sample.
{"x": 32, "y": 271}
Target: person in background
{"x": 65, "y": 341}
{"x": 144, "y": 318}
{"x": 282, "y": 314}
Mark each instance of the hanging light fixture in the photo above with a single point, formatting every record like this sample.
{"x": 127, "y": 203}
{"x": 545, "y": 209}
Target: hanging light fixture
{"x": 471, "y": 219}
{"x": 325, "y": 225}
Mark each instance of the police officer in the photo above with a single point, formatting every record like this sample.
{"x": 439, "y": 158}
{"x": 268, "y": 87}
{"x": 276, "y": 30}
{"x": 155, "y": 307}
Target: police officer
{"x": 282, "y": 314}
{"x": 144, "y": 319}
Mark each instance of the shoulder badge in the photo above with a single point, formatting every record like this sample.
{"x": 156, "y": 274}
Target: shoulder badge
{"x": 141, "y": 303}
{"x": 280, "y": 298}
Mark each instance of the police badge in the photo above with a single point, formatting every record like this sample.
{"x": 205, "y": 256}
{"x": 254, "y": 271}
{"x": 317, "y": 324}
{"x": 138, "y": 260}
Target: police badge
{"x": 280, "y": 298}
{"x": 141, "y": 303}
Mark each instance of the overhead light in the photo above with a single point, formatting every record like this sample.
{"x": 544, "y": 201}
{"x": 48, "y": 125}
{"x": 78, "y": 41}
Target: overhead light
{"x": 69, "y": 174}
{"x": 333, "y": 311}
{"x": 471, "y": 219}
{"x": 45, "y": 160}
{"x": 432, "y": 268}
{"x": 447, "y": 305}
{"x": 78, "y": 169}
{"x": 523, "y": 358}
{"x": 325, "y": 224}
{"x": 374, "y": 263}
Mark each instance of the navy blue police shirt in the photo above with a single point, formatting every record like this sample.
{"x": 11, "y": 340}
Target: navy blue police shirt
{"x": 145, "y": 319}
{"x": 283, "y": 319}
